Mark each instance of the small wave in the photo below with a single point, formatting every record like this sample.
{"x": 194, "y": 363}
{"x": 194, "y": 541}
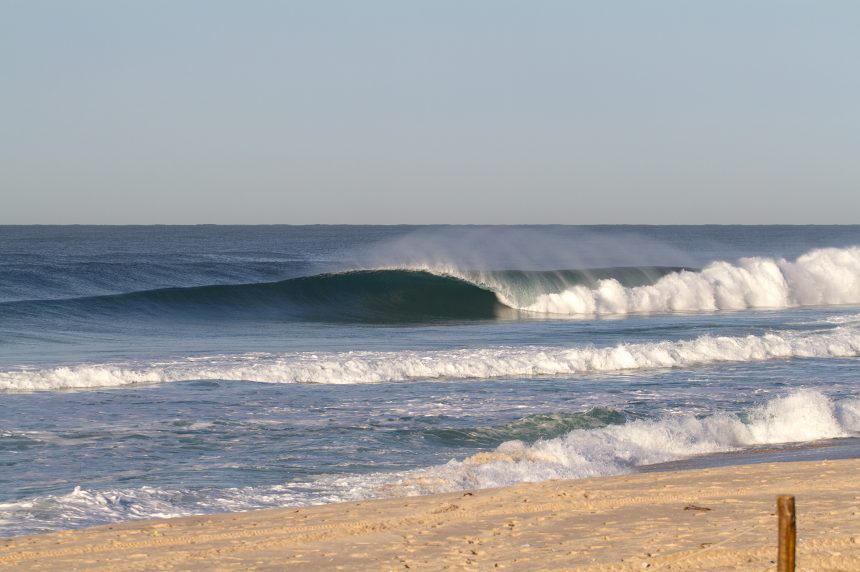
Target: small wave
{"x": 608, "y": 449}
{"x": 802, "y": 416}
{"x": 530, "y": 428}
{"x": 499, "y": 362}
{"x": 387, "y": 296}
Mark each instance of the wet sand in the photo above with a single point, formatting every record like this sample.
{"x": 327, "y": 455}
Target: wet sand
{"x": 718, "y": 518}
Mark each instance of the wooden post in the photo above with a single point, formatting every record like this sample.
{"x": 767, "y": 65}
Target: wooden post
{"x": 787, "y": 533}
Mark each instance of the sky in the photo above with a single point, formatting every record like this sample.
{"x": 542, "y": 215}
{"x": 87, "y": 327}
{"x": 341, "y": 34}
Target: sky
{"x": 389, "y": 112}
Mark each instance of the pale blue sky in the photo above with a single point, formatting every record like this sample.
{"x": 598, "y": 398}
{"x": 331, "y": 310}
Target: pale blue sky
{"x": 440, "y": 111}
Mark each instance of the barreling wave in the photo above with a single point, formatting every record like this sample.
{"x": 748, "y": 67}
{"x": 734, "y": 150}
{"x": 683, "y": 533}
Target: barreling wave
{"x": 498, "y": 362}
{"x": 821, "y": 277}
{"x": 362, "y": 296}
{"x": 373, "y": 296}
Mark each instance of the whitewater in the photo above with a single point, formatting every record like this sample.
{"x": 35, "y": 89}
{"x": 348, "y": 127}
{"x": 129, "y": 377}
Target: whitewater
{"x": 148, "y": 372}
{"x": 817, "y": 278}
{"x": 482, "y": 363}
{"x": 581, "y": 453}
{"x": 415, "y": 293}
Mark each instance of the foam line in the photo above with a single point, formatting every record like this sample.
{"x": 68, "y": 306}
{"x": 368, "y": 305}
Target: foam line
{"x": 499, "y": 362}
{"x": 419, "y": 293}
{"x": 802, "y": 416}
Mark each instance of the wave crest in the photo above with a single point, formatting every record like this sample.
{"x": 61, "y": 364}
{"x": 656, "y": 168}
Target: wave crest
{"x": 391, "y": 295}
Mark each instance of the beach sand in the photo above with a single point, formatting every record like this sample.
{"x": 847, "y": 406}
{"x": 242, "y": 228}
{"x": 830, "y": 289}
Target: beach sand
{"x": 712, "y": 519}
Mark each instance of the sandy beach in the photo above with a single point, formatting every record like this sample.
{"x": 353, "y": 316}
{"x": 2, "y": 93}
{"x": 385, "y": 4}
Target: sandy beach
{"x": 712, "y": 519}
{"x": 462, "y": 286}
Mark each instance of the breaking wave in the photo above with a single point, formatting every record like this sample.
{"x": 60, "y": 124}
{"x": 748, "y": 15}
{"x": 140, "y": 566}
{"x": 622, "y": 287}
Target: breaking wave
{"x": 373, "y": 296}
{"x": 482, "y": 363}
{"x": 828, "y": 276}
{"x": 822, "y": 277}
{"x": 599, "y": 444}
{"x": 802, "y": 416}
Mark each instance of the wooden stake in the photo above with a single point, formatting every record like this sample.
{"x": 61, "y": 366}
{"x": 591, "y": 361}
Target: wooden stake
{"x": 787, "y": 533}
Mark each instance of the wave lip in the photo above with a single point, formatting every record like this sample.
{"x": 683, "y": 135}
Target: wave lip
{"x": 384, "y": 296}
{"x": 828, "y": 276}
{"x": 499, "y": 362}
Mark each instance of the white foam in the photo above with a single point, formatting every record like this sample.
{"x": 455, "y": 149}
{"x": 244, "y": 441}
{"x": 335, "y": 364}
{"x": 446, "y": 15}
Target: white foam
{"x": 829, "y": 276}
{"x": 87, "y": 507}
{"x": 849, "y": 319}
{"x": 802, "y": 416}
{"x": 498, "y": 362}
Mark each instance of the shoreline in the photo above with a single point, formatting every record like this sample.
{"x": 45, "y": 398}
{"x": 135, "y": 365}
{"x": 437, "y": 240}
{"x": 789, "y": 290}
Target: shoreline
{"x": 718, "y": 518}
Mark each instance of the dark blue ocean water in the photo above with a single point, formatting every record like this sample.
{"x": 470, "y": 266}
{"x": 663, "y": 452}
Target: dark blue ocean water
{"x": 158, "y": 371}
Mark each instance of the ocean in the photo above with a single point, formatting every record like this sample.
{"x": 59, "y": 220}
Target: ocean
{"x": 160, "y": 371}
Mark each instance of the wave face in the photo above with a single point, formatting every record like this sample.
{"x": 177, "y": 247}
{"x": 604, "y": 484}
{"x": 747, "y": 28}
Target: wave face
{"x": 501, "y": 362}
{"x": 373, "y": 296}
{"x": 363, "y": 296}
{"x": 821, "y": 277}
{"x": 530, "y": 428}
